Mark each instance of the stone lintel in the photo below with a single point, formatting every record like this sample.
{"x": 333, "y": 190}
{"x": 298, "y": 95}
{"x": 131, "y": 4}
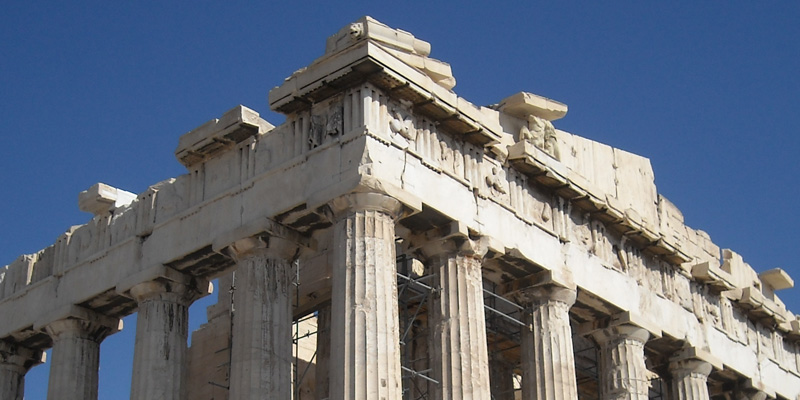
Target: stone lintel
{"x": 694, "y": 353}
{"x": 101, "y": 198}
{"x": 259, "y": 234}
{"x": 777, "y": 278}
{"x": 522, "y": 104}
{"x": 217, "y": 135}
{"x": 161, "y": 272}
{"x": 80, "y": 313}
{"x": 623, "y": 319}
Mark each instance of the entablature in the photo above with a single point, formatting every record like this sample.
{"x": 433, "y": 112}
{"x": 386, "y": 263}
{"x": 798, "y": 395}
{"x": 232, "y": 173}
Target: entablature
{"x": 367, "y": 118}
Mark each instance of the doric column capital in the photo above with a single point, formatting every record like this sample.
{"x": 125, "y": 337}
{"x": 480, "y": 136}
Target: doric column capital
{"x": 691, "y": 367}
{"x": 78, "y": 322}
{"x": 454, "y": 240}
{"x": 622, "y": 326}
{"x": 173, "y": 292}
{"x": 367, "y": 201}
{"x": 19, "y": 357}
{"x": 534, "y": 295}
{"x": 542, "y": 287}
{"x": 94, "y": 330}
{"x": 454, "y": 246}
{"x": 262, "y": 237}
{"x": 621, "y": 333}
{"x": 693, "y": 361}
{"x": 264, "y": 246}
{"x": 164, "y": 283}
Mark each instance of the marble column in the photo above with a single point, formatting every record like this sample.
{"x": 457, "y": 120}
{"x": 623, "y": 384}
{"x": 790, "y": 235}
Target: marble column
{"x": 459, "y": 357}
{"x": 501, "y": 376}
{"x": 623, "y": 374}
{"x": 365, "y": 348}
{"x": 323, "y": 357}
{"x": 261, "y": 344}
{"x": 548, "y": 359}
{"x": 689, "y": 379}
{"x": 15, "y": 361}
{"x": 74, "y": 370}
{"x": 161, "y": 332}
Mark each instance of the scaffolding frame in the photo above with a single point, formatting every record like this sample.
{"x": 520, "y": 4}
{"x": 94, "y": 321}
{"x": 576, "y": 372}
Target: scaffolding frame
{"x": 504, "y": 319}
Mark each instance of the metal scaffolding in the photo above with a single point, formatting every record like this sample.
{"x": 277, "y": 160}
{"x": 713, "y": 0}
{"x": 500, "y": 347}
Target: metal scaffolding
{"x": 414, "y": 290}
{"x": 416, "y": 286}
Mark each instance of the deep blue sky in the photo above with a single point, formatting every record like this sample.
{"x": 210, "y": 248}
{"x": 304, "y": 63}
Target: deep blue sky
{"x": 101, "y": 92}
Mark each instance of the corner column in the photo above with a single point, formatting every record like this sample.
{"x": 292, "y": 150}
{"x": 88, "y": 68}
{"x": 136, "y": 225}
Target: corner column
{"x": 74, "y": 371}
{"x": 15, "y": 361}
{"x": 261, "y": 347}
{"x": 365, "y": 348}
{"x": 161, "y": 332}
{"x": 548, "y": 359}
{"x": 460, "y": 358}
{"x": 623, "y": 374}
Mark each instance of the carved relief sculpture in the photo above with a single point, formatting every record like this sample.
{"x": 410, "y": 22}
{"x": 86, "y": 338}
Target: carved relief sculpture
{"x": 542, "y": 246}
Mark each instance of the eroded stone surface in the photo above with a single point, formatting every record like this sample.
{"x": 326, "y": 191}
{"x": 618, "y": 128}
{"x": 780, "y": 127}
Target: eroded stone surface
{"x": 377, "y": 151}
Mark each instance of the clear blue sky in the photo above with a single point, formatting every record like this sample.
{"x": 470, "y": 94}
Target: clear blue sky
{"x": 100, "y": 92}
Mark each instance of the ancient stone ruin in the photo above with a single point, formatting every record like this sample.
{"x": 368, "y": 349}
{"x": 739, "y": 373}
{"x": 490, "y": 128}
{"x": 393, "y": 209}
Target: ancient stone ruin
{"x": 430, "y": 248}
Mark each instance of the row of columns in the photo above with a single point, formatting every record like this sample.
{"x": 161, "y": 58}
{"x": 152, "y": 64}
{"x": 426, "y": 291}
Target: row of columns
{"x": 159, "y": 352}
{"x": 363, "y": 355}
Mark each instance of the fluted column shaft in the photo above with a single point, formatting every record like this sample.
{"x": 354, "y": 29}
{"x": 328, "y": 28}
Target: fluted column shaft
{"x": 458, "y": 327}
{"x": 623, "y": 374}
{"x": 548, "y": 360}
{"x": 261, "y": 346}
{"x": 15, "y": 362}
{"x": 322, "y": 374}
{"x": 365, "y": 348}
{"x": 689, "y": 379}
{"x": 161, "y": 332}
{"x": 74, "y": 371}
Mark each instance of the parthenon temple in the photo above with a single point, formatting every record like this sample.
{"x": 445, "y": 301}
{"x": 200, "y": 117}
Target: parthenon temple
{"x": 391, "y": 240}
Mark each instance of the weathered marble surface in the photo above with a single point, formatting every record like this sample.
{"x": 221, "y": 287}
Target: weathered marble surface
{"x": 376, "y": 115}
